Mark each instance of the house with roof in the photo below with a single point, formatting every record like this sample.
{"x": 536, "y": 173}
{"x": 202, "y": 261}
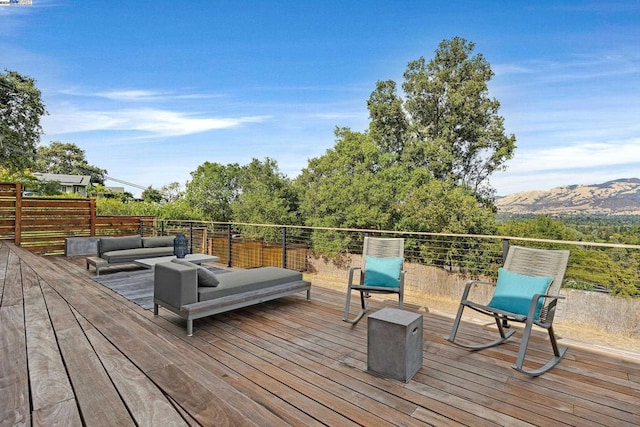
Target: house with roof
{"x": 68, "y": 183}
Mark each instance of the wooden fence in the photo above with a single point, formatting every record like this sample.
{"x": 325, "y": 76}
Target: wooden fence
{"x": 41, "y": 224}
{"x": 251, "y": 253}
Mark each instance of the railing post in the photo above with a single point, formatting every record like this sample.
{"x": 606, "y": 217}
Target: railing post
{"x": 92, "y": 217}
{"x": 229, "y": 245}
{"x": 284, "y": 247}
{"x": 190, "y": 237}
{"x": 162, "y": 227}
{"x": 17, "y": 234}
{"x": 505, "y": 249}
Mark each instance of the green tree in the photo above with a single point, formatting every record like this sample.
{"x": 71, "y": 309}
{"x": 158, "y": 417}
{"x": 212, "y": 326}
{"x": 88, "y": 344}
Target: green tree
{"x": 66, "y": 158}
{"x": 150, "y": 194}
{"x": 447, "y": 124}
{"x": 442, "y": 207}
{"x": 21, "y": 108}
{"x": 172, "y": 192}
{"x": 354, "y": 184}
{"x": 389, "y": 123}
{"x": 541, "y": 227}
{"x": 212, "y": 189}
{"x": 266, "y": 197}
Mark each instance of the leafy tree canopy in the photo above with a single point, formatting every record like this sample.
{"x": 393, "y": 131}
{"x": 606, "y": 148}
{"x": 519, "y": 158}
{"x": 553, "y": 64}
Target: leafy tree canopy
{"x": 424, "y": 162}
{"x": 21, "y": 108}
{"x": 446, "y": 123}
{"x": 354, "y": 185}
{"x": 212, "y": 189}
{"x": 267, "y": 196}
{"x": 172, "y": 192}
{"x": 66, "y": 158}
{"x": 254, "y": 193}
{"x": 150, "y": 194}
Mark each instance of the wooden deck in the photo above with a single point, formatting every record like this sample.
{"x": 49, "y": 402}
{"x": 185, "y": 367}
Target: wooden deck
{"x": 74, "y": 353}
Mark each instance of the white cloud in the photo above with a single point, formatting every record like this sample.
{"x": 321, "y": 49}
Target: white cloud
{"x": 578, "y": 156}
{"x": 138, "y": 95}
{"x": 587, "y": 163}
{"x": 151, "y": 121}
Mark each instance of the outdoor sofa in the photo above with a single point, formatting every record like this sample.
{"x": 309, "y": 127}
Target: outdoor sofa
{"x": 126, "y": 249}
{"x": 192, "y": 291}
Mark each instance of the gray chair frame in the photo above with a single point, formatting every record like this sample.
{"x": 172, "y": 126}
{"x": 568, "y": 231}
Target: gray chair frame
{"x": 380, "y": 247}
{"x": 532, "y": 262}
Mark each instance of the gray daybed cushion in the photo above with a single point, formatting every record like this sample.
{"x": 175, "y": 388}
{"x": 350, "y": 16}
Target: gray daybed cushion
{"x": 159, "y": 241}
{"x": 107, "y": 244}
{"x": 205, "y": 277}
{"x": 236, "y": 282}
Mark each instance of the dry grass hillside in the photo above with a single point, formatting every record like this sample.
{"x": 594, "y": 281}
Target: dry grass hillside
{"x": 620, "y": 197}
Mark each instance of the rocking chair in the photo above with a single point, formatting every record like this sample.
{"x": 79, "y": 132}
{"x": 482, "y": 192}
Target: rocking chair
{"x": 527, "y": 292}
{"x": 381, "y": 272}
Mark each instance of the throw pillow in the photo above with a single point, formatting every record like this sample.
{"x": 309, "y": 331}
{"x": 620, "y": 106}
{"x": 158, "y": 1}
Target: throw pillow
{"x": 514, "y": 292}
{"x": 382, "y": 271}
{"x": 205, "y": 277}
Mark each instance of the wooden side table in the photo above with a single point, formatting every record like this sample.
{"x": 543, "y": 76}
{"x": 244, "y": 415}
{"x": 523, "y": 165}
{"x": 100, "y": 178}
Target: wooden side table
{"x": 97, "y": 263}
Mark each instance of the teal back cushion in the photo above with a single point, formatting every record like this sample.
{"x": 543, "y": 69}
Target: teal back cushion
{"x": 514, "y": 292}
{"x": 382, "y": 271}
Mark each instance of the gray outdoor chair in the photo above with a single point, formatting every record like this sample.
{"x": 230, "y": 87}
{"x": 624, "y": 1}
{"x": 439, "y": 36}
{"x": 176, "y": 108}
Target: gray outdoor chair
{"x": 527, "y": 291}
{"x": 381, "y": 272}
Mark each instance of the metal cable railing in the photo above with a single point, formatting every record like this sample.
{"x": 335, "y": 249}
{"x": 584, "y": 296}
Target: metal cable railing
{"x": 592, "y": 266}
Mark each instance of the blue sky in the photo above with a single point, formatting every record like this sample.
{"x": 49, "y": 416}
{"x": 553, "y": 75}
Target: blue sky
{"x": 153, "y": 89}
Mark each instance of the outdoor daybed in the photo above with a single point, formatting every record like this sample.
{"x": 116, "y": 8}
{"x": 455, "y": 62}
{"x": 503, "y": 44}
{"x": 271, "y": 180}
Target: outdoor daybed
{"x": 192, "y": 292}
{"x": 126, "y": 249}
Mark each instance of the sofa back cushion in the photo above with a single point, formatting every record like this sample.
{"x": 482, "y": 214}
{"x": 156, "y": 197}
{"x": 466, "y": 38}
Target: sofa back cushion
{"x": 106, "y": 244}
{"x": 157, "y": 242}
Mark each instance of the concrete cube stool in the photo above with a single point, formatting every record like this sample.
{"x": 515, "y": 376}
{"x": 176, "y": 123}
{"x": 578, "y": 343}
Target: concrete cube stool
{"x": 394, "y": 343}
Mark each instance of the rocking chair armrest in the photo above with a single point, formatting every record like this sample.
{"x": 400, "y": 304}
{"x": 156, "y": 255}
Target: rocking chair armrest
{"x": 351, "y": 271}
{"x": 533, "y": 306}
{"x": 467, "y": 287}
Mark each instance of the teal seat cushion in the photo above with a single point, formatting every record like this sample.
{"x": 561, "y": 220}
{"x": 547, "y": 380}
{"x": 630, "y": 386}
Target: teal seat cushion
{"x": 514, "y": 292}
{"x": 382, "y": 271}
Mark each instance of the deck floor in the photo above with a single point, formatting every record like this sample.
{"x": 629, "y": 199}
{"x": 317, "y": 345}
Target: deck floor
{"x": 72, "y": 352}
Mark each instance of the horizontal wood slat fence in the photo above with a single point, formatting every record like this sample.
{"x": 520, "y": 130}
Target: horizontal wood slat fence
{"x": 41, "y": 224}
{"x": 252, "y": 253}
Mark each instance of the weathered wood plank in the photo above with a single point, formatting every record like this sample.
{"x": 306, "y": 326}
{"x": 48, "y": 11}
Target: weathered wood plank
{"x": 12, "y": 293}
{"x": 14, "y": 377}
{"x": 97, "y": 398}
{"x": 4, "y": 258}
{"x": 389, "y": 386}
{"x": 251, "y": 338}
{"x": 58, "y": 414}
{"x": 146, "y": 402}
{"x": 205, "y": 405}
{"x": 47, "y": 375}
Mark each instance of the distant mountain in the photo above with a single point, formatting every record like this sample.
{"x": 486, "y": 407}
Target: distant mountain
{"x": 618, "y": 197}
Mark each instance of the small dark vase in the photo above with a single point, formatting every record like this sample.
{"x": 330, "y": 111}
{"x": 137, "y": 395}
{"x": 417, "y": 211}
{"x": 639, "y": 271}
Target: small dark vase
{"x": 180, "y": 246}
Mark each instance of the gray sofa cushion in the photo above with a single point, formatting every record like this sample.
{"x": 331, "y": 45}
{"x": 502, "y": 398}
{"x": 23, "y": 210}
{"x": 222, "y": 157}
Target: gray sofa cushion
{"x": 248, "y": 280}
{"x": 205, "y": 277}
{"x": 107, "y": 244}
{"x": 159, "y": 241}
{"x": 130, "y": 255}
